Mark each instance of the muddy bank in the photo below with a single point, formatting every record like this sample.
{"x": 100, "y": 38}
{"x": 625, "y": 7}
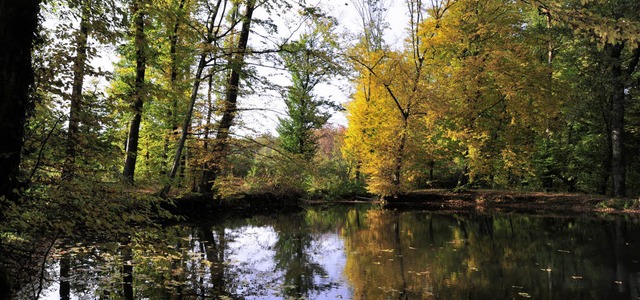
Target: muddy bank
{"x": 436, "y": 199}
{"x": 516, "y": 201}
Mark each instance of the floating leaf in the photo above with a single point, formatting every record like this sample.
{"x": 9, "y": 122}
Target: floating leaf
{"x": 524, "y": 295}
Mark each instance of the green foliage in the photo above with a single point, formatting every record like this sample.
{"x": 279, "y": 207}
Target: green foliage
{"x": 258, "y": 167}
{"x": 330, "y": 179}
{"x": 311, "y": 60}
{"x": 619, "y": 204}
{"x": 277, "y": 175}
{"x": 82, "y": 207}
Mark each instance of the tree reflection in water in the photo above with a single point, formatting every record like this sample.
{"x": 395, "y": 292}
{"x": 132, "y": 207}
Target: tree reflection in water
{"x": 363, "y": 253}
{"x": 293, "y": 258}
{"x": 479, "y": 256}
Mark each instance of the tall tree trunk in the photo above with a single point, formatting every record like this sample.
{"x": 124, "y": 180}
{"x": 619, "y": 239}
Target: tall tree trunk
{"x": 231, "y": 98}
{"x": 206, "y": 167}
{"x": 550, "y": 48}
{"x": 138, "y": 93}
{"x": 185, "y": 126}
{"x": 211, "y": 37}
{"x": 618, "y": 171}
{"x": 183, "y": 164}
{"x": 432, "y": 165}
{"x": 173, "y": 78}
{"x": 621, "y": 71}
{"x": 604, "y": 184}
{"x": 75, "y": 111}
{"x": 18, "y": 23}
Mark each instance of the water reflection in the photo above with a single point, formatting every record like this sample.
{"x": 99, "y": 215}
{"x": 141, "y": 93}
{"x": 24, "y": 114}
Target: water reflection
{"x": 361, "y": 253}
{"x": 425, "y": 255}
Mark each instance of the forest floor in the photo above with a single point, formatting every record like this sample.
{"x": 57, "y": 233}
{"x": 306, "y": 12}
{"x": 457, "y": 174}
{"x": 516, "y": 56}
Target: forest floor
{"x": 515, "y": 201}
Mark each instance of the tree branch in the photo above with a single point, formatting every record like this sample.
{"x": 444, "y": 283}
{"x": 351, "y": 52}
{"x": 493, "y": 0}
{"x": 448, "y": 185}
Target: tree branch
{"x": 35, "y": 167}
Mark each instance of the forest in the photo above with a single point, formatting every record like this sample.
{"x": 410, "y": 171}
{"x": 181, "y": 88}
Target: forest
{"x": 227, "y": 99}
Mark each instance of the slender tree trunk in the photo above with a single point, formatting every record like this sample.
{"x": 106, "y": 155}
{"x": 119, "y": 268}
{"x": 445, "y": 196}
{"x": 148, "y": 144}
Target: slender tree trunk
{"x": 231, "y": 98}
{"x": 138, "y": 93}
{"x": 147, "y": 156}
{"x": 183, "y": 164}
{"x": 432, "y": 165}
{"x": 618, "y": 170}
{"x": 550, "y": 48}
{"x": 463, "y": 178}
{"x": 185, "y": 126}
{"x": 18, "y": 23}
{"x": 206, "y": 166}
{"x": 547, "y": 174}
{"x": 605, "y": 184}
{"x": 621, "y": 71}
{"x": 173, "y": 78}
{"x": 211, "y": 37}
{"x": 75, "y": 111}
{"x": 397, "y": 171}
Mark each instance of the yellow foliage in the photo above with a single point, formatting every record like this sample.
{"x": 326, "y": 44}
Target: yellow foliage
{"x": 466, "y": 87}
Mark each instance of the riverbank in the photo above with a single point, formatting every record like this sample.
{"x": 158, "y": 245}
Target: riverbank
{"x": 431, "y": 199}
{"x": 515, "y": 201}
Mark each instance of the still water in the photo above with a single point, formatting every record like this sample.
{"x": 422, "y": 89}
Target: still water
{"x": 360, "y": 252}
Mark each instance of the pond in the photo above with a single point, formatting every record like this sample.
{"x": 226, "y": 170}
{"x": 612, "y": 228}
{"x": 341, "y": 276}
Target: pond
{"x": 360, "y": 252}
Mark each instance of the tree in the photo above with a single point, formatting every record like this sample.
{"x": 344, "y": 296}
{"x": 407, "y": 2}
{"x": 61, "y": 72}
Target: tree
{"x": 175, "y": 72}
{"x": 138, "y": 93}
{"x": 612, "y": 28}
{"x": 468, "y": 87}
{"x": 212, "y": 33}
{"x": 394, "y": 89}
{"x": 310, "y": 61}
{"x": 168, "y": 48}
{"x": 495, "y": 89}
{"x": 18, "y": 22}
{"x": 371, "y": 40}
{"x": 372, "y": 15}
{"x": 236, "y": 57}
{"x": 76, "y": 98}
{"x": 64, "y": 67}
